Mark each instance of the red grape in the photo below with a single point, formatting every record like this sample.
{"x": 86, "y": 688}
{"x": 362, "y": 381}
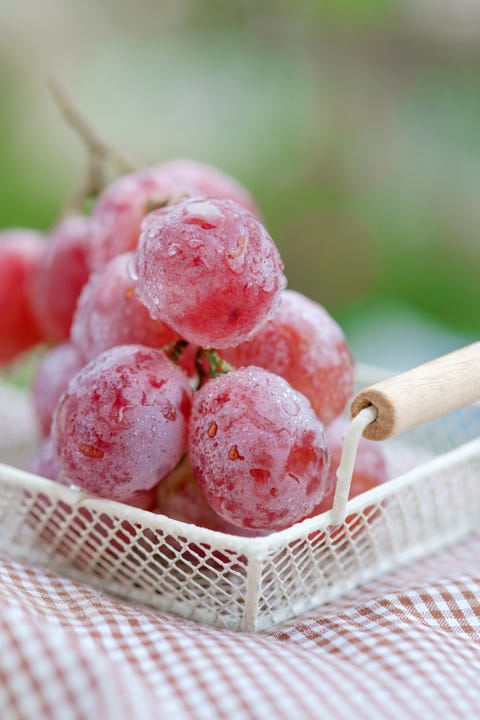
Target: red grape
{"x": 258, "y": 451}
{"x": 61, "y": 274}
{"x": 123, "y": 205}
{"x": 208, "y": 269}
{"x": 20, "y": 252}
{"x": 303, "y": 344}
{"x": 44, "y": 461}
{"x": 370, "y": 465}
{"x": 51, "y": 379}
{"x": 143, "y": 501}
{"x": 109, "y": 313}
{"x": 210, "y": 182}
{"x": 121, "y": 425}
{"x": 179, "y": 497}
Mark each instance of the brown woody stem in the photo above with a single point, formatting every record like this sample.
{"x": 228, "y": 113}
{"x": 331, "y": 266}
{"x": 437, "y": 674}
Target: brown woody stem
{"x": 100, "y": 152}
{"x": 175, "y": 350}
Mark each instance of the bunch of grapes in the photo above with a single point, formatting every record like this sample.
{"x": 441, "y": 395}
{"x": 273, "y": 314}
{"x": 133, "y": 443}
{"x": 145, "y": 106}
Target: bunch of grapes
{"x": 181, "y": 375}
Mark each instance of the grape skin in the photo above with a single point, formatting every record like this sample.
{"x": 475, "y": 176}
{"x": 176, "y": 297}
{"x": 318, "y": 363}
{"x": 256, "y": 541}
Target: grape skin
{"x": 121, "y": 425}
{"x": 210, "y": 182}
{"x": 121, "y": 208}
{"x": 178, "y": 496}
{"x": 44, "y": 461}
{"x": 209, "y": 270}
{"x": 303, "y": 344}
{"x": 109, "y": 313}
{"x": 20, "y": 252}
{"x": 60, "y": 276}
{"x": 257, "y": 450}
{"x": 53, "y": 374}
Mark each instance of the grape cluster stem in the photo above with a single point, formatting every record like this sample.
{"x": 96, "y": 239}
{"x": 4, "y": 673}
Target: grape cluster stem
{"x": 216, "y": 364}
{"x": 100, "y": 152}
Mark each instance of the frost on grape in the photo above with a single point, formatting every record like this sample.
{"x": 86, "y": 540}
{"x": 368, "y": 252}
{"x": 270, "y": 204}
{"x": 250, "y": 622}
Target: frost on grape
{"x": 53, "y": 374}
{"x": 44, "y": 461}
{"x": 302, "y": 343}
{"x": 210, "y": 182}
{"x": 121, "y": 426}
{"x": 179, "y": 497}
{"x": 257, "y": 450}
{"x": 209, "y": 270}
{"x": 123, "y": 205}
{"x": 109, "y": 313}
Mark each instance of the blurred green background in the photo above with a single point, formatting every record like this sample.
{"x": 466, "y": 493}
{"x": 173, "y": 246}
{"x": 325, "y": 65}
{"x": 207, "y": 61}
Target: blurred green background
{"x": 355, "y": 124}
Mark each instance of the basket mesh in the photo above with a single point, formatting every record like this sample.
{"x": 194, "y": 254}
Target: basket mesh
{"x": 254, "y": 583}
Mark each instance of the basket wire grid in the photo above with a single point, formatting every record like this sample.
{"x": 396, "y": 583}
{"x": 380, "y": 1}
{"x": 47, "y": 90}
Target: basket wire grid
{"x": 251, "y": 584}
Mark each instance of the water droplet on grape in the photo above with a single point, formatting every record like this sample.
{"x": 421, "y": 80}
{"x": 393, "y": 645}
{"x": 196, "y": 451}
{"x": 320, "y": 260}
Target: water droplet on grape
{"x": 172, "y": 250}
{"x": 290, "y": 407}
{"x": 131, "y": 268}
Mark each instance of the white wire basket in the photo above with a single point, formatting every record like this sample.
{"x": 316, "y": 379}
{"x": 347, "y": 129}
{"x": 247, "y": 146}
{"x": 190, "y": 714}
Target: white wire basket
{"x": 249, "y": 584}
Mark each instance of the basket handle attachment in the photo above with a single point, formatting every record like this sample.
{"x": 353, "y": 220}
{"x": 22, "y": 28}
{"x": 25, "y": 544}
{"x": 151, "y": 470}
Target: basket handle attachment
{"x": 403, "y": 402}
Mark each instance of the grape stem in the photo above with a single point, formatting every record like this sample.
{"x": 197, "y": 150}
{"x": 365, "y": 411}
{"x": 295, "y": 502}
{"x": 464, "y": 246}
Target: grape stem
{"x": 216, "y": 365}
{"x": 156, "y": 203}
{"x": 174, "y": 351}
{"x": 99, "y": 151}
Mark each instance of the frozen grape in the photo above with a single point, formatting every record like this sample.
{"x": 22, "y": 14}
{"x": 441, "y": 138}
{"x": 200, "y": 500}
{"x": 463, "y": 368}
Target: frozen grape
{"x": 109, "y": 313}
{"x": 179, "y": 497}
{"x": 123, "y": 205}
{"x": 44, "y": 461}
{"x": 370, "y": 465}
{"x": 303, "y": 344}
{"x": 121, "y": 425}
{"x": 51, "y": 379}
{"x": 257, "y": 450}
{"x": 210, "y": 182}
{"x": 143, "y": 501}
{"x": 209, "y": 270}
{"x": 20, "y": 252}
{"x": 61, "y": 274}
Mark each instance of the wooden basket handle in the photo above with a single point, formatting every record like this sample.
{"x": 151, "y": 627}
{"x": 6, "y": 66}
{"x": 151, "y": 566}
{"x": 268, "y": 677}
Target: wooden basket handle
{"x": 414, "y": 397}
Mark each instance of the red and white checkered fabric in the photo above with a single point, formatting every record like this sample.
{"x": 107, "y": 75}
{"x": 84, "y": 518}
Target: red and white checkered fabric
{"x": 406, "y": 646}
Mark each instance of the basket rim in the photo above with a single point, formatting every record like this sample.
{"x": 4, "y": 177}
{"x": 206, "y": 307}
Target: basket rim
{"x": 255, "y": 547}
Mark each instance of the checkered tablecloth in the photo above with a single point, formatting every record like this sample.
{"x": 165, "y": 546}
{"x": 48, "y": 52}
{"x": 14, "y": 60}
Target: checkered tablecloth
{"x": 406, "y": 646}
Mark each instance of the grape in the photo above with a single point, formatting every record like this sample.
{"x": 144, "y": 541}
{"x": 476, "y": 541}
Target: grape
{"x": 143, "y": 501}
{"x": 109, "y": 313}
{"x": 208, "y": 269}
{"x": 179, "y": 497}
{"x": 210, "y": 182}
{"x": 121, "y": 425}
{"x": 257, "y": 450}
{"x": 188, "y": 360}
{"x": 61, "y": 274}
{"x": 123, "y": 205}
{"x": 51, "y": 379}
{"x": 303, "y": 344}
{"x": 44, "y": 461}
{"x": 370, "y": 466}
{"x": 19, "y": 256}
